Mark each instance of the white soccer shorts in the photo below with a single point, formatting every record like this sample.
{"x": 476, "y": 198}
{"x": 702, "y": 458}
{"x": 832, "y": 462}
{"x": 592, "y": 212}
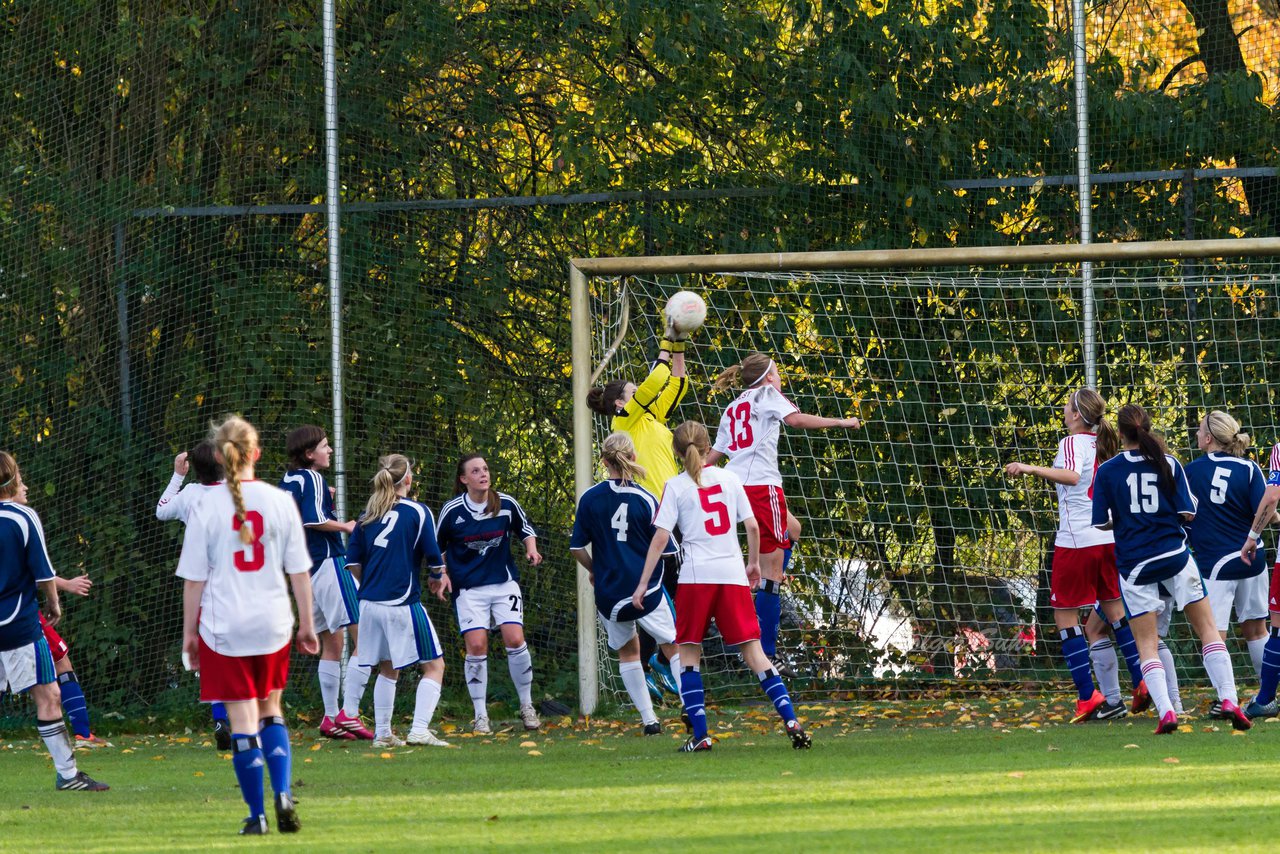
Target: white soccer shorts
{"x": 489, "y": 606}
{"x": 1186, "y": 587}
{"x": 27, "y": 666}
{"x": 333, "y": 596}
{"x": 1247, "y": 595}
{"x": 660, "y": 623}
{"x": 401, "y": 634}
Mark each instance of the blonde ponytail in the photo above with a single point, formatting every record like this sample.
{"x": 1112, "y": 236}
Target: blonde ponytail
{"x": 1226, "y": 431}
{"x": 748, "y": 373}
{"x": 392, "y": 470}
{"x": 619, "y": 453}
{"x": 237, "y": 442}
{"x": 691, "y": 444}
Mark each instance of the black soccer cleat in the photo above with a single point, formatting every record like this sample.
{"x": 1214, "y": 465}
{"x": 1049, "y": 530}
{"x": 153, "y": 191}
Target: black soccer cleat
{"x": 222, "y": 735}
{"x": 254, "y": 825}
{"x": 654, "y": 728}
{"x": 80, "y": 782}
{"x": 800, "y": 739}
{"x": 1109, "y": 711}
{"x": 695, "y": 745}
{"x": 286, "y": 814}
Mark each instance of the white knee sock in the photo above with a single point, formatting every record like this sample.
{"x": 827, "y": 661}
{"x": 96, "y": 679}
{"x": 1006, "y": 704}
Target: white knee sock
{"x": 1217, "y": 663}
{"x": 476, "y": 670}
{"x": 520, "y": 663}
{"x": 1107, "y": 668}
{"x": 675, "y": 668}
{"x": 58, "y": 742}
{"x": 1255, "y": 653}
{"x": 330, "y": 673}
{"x": 1170, "y": 676}
{"x": 1153, "y": 675}
{"x": 424, "y": 709}
{"x": 384, "y": 705}
{"x": 353, "y": 690}
{"x": 632, "y": 673}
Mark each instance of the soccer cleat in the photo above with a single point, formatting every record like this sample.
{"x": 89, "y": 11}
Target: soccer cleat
{"x": 91, "y": 743}
{"x": 800, "y": 739}
{"x": 1262, "y": 710}
{"x": 81, "y": 782}
{"x": 331, "y": 730}
{"x": 1216, "y": 711}
{"x": 353, "y": 725}
{"x": 388, "y": 740}
{"x": 1168, "y": 724}
{"x": 1239, "y": 720}
{"x": 1086, "y": 710}
{"x": 222, "y": 735}
{"x": 655, "y": 690}
{"x": 480, "y": 726}
{"x": 529, "y": 717}
{"x": 428, "y": 738}
{"x": 1109, "y": 710}
{"x": 663, "y": 676}
{"x": 694, "y": 745}
{"x": 286, "y": 814}
{"x": 654, "y": 728}
{"x": 255, "y": 825}
{"x": 1141, "y": 699}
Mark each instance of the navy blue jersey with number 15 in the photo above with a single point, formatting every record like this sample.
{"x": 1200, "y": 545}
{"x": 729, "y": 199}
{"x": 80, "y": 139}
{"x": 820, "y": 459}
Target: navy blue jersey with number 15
{"x": 1151, "y": 544}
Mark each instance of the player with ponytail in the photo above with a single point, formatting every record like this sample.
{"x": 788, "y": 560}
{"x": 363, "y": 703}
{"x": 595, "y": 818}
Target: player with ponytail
{"x": 243, "y": 551}
{"x": 1084, "y": 563}
{"x": 614, "y": 520}
{"x": 748, "y": 435}
{"x": 707, "y": 504}
{"x": 394, "y": 537}
{"x": 1143, "y": 497}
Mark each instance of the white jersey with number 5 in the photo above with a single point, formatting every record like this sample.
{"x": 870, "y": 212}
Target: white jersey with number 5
{"x": 1078, "y": 453}
{"x": 748, "y": 435}
{"x": 708, "y": 518}
{"x": 245, "y": 607}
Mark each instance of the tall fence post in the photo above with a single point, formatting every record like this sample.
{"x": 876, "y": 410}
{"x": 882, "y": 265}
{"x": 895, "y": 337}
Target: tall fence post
{"x": 122, "y": 330}
{"x": 334, "y": 225}
{"x": 1085, "y": 190}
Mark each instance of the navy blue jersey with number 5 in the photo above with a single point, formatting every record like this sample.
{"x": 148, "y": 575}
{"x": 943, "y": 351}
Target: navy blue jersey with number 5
{"x": 391, "y": 550}
{"x": 1151, "y": 544}
{"x": 1229, "y": 490}
{"x": 615, "y": 518}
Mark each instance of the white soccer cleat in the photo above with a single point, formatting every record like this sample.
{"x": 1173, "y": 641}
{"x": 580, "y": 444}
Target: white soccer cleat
{"x": 480, "y": 726}
{"x": 427, "y": 738}
{"x": 529, "y": 718}
{"x": 388, "y": 740}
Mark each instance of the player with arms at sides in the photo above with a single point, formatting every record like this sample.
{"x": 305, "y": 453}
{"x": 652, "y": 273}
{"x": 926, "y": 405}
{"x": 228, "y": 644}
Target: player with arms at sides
{"x": 240, "y": 545}
{"x": 748, "y": 435}
{"x": 1143, "y": 497}
{"x": 1084, "y": 562}
{"x": 394, "y": 537}
{"x": 26, "y": 664}
{"x": 175, "y": 504}
{"x": 1228, "y": 489}
{"x": 615, "y": 519}
{"x": 642, "y": 412}
{"x": 1264, "y": 704}
{"x": 707, "y": 504}
{"x": 474, "y": 532}
{"x": 334, "y": 588}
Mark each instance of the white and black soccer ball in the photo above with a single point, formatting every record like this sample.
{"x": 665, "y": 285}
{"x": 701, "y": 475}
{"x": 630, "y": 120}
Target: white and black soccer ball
{"x": 686, "y": 311}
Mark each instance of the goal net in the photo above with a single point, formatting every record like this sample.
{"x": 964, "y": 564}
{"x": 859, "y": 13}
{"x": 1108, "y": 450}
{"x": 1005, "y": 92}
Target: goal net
{"x": 920, "y": 560}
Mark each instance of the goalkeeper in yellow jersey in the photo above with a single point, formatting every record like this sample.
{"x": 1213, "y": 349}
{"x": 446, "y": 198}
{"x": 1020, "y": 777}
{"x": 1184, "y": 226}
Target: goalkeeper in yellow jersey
{"x": 642, "y": 412}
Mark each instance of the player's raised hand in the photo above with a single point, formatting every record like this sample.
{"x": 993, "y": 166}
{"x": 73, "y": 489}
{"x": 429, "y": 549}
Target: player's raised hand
{"x": 79, "y": 585}
{"x": 180, "y": 464}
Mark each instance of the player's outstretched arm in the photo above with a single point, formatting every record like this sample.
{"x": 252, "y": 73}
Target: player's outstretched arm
{"x": 79, "y": 585}
{"x": 659, "y": 543}
{"x": 1266, "y": 509}
{"x": 804, "y": 421}
{"x": 1066, "y": 477}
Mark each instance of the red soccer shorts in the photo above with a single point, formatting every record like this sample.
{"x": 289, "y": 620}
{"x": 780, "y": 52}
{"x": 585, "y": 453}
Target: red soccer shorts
{"x": 770, "y": 508}
{"x": 1084, "y": 576}
{"x": 57, "y": 645}
{"x": 730, "y": 605}
{"x": 232, "y": 678}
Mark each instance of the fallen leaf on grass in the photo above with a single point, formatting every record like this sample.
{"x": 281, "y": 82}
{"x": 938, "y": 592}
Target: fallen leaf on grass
{"x": 528, "y": 744}
{"x": 787, "y": 773}
{"x": 1017, "y": 775}
{"x": 1171, "y": 760}
{"x": 1186, "y": 728}
{"x": 1131, "y": 747}
{"x": 198, "y": 774}
{"x": 1053, "y": 749}
{"x": 384, "y": 755}
{"x": 315, "y": 747}
{"x": 535, "y": 752}
{"x": 1236, "y": 732}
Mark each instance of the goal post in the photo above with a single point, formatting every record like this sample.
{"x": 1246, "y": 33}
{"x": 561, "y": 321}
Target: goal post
{"x": 919, "y": 559}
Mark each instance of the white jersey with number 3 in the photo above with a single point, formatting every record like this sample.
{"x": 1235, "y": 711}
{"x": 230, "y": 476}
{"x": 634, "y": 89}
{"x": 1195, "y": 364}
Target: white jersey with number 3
{"x": 748, "y": 435}
{"x": 245, "y": 608}
{"x": 708, "y": 518}
{"x": 1078, "y": 453}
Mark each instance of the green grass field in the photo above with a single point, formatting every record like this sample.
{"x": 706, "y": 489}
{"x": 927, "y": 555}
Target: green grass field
{"x": 939, "y": 776}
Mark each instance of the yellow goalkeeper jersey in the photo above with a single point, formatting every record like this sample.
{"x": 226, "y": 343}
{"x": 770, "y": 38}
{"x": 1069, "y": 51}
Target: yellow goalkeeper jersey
{"x": 645, "y": 418}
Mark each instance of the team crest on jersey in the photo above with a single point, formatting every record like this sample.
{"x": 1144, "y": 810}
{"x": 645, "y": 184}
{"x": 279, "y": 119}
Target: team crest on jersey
{"x": 483, "y": 546}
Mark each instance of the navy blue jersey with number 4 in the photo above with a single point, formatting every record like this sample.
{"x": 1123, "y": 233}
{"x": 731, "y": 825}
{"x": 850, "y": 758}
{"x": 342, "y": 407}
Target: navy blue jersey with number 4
{"x": 1229, "y": 490}
{"x": 391, "y": 550}
{"x": 1151, "y": 544}
{"x": 615, "y": 518}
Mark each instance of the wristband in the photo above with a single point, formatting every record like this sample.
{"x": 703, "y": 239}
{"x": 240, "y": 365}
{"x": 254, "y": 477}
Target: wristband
{"x": 435, "y": 576}
{"x": 1255, "y": 536}
{"x": 671, "y": 346}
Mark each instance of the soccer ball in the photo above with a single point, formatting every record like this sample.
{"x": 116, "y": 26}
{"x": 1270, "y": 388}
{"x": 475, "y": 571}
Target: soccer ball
{"x": 686, "y": 312}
